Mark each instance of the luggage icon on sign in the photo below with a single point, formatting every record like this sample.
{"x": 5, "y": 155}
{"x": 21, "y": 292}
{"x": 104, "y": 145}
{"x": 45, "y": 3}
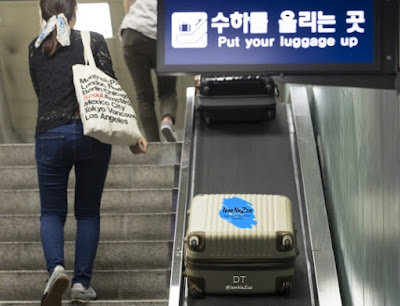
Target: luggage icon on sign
{"x": 189, "y": 30}
{"x": 184, "y": 27}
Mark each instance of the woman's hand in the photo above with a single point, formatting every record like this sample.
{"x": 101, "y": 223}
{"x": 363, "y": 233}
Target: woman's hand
{"x": 139, "y": 147}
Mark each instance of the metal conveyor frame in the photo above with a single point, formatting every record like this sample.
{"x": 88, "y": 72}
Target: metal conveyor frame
{"x": 326, "y": 280}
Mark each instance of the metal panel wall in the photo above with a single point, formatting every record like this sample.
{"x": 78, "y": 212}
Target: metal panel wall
{"x": 358, "y": 135}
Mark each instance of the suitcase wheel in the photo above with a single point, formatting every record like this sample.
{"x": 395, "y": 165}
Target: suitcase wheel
{"x": 287, "y": 242}
{"x": 206, "y": 90}
{"x": 271, "y": 115}
{"x": 194, "y": 242}
{"x": 195, "y": 291}
{"x": 286, "y": 287}
{"x": 206, "y": 118}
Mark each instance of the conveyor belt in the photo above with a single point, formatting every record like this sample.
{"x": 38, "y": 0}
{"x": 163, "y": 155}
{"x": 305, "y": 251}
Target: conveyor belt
{"x": 245, "y": 158}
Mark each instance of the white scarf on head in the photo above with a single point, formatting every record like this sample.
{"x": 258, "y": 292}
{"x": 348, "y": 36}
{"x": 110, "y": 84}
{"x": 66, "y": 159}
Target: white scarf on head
{"x": 63, "y": 30}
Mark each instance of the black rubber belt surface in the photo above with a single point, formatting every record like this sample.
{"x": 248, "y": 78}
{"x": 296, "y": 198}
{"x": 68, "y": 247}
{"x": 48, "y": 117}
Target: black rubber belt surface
{"x": 251, "y": 158}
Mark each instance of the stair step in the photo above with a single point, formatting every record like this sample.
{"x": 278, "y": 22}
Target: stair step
{"x": 109, "y": 285}
{"x": 157, "y": 153}
{"x": 113, "y": 201}
{"x": 95, "y": 303}
{"x": 111, "y": 255}
{"x": 119, "y": 176}
{"x": 137, "y": 223}
{"x": 127, "y": 226}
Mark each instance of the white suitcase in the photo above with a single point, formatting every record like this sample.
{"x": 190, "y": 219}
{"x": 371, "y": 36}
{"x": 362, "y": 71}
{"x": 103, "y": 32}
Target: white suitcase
{"x": 240, "y": 244}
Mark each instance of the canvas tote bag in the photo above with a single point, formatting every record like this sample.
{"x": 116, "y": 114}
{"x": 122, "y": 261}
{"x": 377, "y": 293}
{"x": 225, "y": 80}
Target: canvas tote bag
{"x": 105, "y": 109}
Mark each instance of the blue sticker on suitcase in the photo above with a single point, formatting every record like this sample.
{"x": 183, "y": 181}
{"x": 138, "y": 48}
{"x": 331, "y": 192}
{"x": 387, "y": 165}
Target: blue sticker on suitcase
{"x": 238, "y": 212}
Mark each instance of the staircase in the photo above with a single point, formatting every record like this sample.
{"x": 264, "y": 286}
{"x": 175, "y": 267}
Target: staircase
{"x": 132, "y": 266}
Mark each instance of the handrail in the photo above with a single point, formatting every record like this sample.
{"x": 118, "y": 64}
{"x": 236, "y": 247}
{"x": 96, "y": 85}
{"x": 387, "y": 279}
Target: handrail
{"x": 182, "y": 202}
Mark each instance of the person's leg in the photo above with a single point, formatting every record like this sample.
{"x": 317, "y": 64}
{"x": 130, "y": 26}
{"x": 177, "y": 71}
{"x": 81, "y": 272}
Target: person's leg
{"x": 52, "y": 153}
{"x": 53, "y": 170}
{"x": 136, "y": 48}
{"x": 168, "y": 105}
{"x": 167, "y": 96}
{"x": 91, "y": 167}
{"x": 166, "y": 87}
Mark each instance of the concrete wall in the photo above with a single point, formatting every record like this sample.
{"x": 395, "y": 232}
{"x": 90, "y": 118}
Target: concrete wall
{"x": 358, "y": 135}
{"x": 19, "y": 24}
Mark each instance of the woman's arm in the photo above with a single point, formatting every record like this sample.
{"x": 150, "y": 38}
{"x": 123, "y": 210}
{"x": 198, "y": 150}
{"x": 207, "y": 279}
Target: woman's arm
{"x": 127, "y": 4}
{"x": 32, "y": 73}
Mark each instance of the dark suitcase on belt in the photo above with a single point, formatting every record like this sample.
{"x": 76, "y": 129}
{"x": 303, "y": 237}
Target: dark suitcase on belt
{"x": 236, "y": 98}
{"x": 243, "y": 85}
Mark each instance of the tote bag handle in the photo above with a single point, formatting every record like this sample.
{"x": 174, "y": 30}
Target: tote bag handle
{"x": 87, "y": 50}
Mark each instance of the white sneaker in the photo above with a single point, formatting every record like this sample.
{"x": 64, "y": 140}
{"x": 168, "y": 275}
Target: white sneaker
{"x": 55, "y": 288}
{"x": 79, "y": 294}
{"x": 167, "y": 130}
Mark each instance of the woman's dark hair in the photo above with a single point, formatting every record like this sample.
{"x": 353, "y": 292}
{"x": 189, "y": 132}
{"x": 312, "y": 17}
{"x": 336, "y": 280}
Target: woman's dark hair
{"x": 50, "y": 8}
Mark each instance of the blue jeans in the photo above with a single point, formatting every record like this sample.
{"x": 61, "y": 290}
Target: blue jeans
{"x": 56, "y": 151}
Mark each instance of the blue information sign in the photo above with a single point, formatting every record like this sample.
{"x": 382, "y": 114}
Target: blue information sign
{"x": 280, "y": 36}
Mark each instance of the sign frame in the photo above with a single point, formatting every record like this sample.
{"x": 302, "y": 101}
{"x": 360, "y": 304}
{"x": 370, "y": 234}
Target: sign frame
{"x": 385, "y": 63}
